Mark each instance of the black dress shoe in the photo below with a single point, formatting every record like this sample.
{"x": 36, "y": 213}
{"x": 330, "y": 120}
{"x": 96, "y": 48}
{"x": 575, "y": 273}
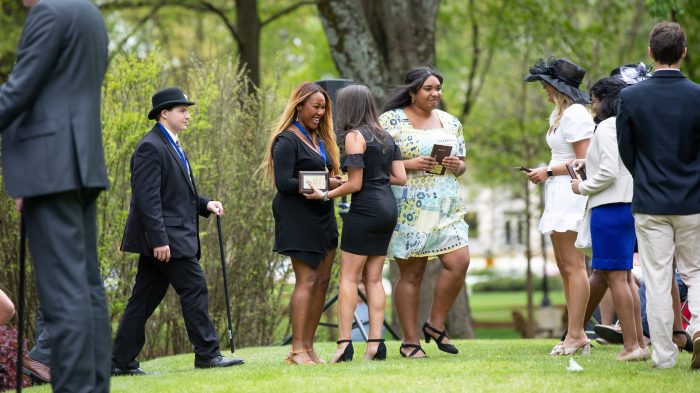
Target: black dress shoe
{"x": 218, "y": 361}
{"x": 116, "y": 371}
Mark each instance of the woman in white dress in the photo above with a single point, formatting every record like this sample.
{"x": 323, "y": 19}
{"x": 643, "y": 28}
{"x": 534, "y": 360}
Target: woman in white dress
{"x": 570, "y": 130}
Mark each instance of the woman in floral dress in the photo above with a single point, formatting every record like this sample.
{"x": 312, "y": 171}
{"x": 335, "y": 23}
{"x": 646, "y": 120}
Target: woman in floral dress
{"x": 431, "y": 214}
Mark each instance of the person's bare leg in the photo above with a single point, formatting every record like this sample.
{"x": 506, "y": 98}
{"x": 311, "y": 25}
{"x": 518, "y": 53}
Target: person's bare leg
{"x": 407, "y": 298}
{"x": 449, "y": 283}
{"x": 679, "y": 339}
{"x": 351, "y": 266}
{"x": 607, "y": 309}
{"x": 559, "y": 259}
{"x": 599, "y": 288}
{"x": 634, "y": 288}
{"x": 376, "y": 301}
{"x": 622, "y": 298}
{"x": 573, "y": 271}
{"x": 301, "y": 299}
{"x": 318, "y": 298}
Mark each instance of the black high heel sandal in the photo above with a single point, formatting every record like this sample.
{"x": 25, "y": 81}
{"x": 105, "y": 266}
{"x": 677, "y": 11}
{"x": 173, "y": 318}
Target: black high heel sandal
{"x": 381, "y": 349}
{"x": 449, "y": 348}
{"x": 411, "y": 355}
{"x": 348, "y": 352}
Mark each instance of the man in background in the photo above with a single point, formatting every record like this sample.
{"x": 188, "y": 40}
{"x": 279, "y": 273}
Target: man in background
{"x": 658, "y": 132}
{"x": 53, "y": 164}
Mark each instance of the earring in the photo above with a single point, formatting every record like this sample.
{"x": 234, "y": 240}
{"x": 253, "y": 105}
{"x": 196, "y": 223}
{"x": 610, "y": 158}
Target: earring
{"x": 413, "y": 99}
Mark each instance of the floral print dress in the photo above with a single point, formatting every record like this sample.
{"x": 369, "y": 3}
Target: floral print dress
{"x": 431, "y": 213}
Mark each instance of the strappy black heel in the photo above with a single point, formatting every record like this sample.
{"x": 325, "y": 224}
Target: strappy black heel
{"x": 413, "y": 353}
{"x": 449, "y": 348}
{"x": 347, "y": 353}
{"x": 381, "y": 349}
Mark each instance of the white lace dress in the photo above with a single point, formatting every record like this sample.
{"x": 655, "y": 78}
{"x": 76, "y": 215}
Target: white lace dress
{"x": 563, "y": 210}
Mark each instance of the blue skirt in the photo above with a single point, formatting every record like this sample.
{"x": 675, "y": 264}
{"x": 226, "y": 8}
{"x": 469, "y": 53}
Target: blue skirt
{"x": 612, "y": 236}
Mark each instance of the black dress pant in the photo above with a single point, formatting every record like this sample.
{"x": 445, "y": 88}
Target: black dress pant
{"x": 152, "y": 280}
{"x": 41, "y": 351}
{"x": 62, "y": 231}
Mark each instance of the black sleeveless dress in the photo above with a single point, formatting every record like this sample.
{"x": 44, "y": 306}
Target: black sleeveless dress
{"x": 305, "y": 229}
{"x": 372, "y": 217}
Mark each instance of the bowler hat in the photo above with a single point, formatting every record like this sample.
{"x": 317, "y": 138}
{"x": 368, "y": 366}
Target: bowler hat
{"x": 563, "y": 74}
{"x": 167, "y": 98}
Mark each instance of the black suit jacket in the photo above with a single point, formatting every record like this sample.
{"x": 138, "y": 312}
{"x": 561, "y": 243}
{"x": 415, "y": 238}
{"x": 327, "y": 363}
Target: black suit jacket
{"x": 50, "y": 105}
{"x": 658, "y": 133}
{"x": 164, "y": 201}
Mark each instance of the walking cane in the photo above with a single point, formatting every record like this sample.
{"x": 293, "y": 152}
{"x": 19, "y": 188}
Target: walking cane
{"x": 20, "y": 313}
{"x": 223, "y": 268}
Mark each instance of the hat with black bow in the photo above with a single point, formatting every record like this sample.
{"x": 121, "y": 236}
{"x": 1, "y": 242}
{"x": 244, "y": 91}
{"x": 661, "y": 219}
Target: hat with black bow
{"x": 563, "y": 74}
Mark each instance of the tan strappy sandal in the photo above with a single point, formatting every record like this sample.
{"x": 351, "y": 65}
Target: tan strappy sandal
{"x": 293, "y": 358}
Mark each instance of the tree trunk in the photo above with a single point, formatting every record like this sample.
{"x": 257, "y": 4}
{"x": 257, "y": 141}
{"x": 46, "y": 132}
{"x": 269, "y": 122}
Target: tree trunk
{"x": 375, "y": 43}
{"x": 248, "y": 26}
{"x": 354, "y": 49}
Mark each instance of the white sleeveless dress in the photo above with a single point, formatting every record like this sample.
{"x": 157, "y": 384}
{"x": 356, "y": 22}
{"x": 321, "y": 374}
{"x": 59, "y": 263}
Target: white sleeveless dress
{"x": 563, "y": 210}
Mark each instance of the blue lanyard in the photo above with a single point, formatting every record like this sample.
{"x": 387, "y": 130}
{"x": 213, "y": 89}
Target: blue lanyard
{"x": 177, "y": 149}
{"x": 321, "y": 147}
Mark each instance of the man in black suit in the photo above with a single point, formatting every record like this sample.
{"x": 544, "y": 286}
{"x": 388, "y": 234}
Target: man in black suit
{"x": 658, "y": 131}
{"x": 53, "y": 164}
{"x": 163, "y": 228}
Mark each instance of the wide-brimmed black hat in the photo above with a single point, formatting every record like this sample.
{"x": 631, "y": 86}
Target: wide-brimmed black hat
{"x": 167, "y": 98}
{"x": 563, "y": 74}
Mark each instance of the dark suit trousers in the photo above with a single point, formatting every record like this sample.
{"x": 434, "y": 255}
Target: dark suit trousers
{"x": 62, "y": 234}
{"x": 152, "y": 280}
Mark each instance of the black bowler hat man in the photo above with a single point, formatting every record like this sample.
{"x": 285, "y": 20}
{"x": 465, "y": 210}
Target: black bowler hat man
{"x": 162, "y": 227}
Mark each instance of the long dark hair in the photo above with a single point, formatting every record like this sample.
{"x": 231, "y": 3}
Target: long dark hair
{"x": 414, "y": 80}
{"x": 607, "y": 91}
{"x": 355, "y": 109}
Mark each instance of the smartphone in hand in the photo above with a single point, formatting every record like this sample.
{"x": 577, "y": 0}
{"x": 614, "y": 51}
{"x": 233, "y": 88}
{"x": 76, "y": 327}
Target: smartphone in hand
{"x": 523, "y": 169}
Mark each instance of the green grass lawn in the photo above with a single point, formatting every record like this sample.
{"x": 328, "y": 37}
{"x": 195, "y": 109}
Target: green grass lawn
{"x": 500, "y": 366}
{"x": 497, "y": 306}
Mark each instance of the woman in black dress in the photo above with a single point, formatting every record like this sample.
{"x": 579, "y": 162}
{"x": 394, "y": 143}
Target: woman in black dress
{"x": 373, "y": 162}
{"x": 305, "y": 230}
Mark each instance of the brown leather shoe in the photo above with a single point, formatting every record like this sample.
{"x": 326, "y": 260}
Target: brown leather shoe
{"x": 695, "y": 362}
{"x": 36, "y": 370}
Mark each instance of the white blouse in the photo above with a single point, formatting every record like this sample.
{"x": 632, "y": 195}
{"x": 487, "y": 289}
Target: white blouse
{"x": 576, "y": 124}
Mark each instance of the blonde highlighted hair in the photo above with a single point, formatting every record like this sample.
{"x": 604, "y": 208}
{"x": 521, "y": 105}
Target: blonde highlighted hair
{"x": 325, "y": 129}
{"x": 561, "y": 103}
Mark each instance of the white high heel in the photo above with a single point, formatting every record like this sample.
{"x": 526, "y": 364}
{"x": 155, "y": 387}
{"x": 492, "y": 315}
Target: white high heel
{"x": 585, "y": 349}
{"x": 556, "y": 350}
{"x": 636, "y": 355}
